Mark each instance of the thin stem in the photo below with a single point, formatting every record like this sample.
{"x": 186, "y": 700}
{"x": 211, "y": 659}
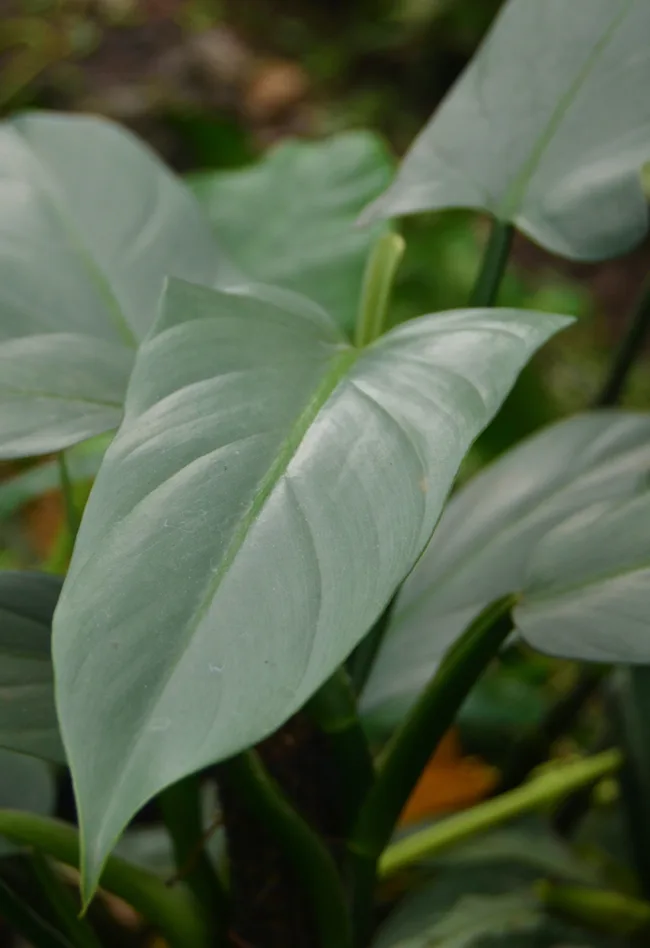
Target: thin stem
{"x": 534, "y": 747}
{"x": 547, "y": 788}
{"x": 27, "y": 923}
{"x": 494, "y": 264}
{"x": 173, "y": 911}
{"x": 628, "y": 353}
{"x": 77, "y": 929}
{"x": 359, "y": 664}
{"x": 412, "y": 746}
{"x": 377, "y": 283}
{"x": 334, "y": 710}
{"x": 72, "y": 515}
{"x": 599, "y": 909}
{"x": 311, "y": 861}
{"x": 180, "y": 805}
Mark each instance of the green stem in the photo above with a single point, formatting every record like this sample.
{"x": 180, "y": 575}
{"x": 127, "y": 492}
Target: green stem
{"x": 26, "y": 922}
{"x": 543, "y": 790}
{"x": 377, "y": 284}
{"x": 77, "y": 929}
{"x": 630, "y": 349}
{"x": 534, "y": 747}
{"x": 359, "y": 664}
{"x": 494, "y": 264}
{"x": 311, "y": 861}
{"x": 180, "y": 805}
{"x": 71, "y": 513}
{"x": 598, "y": 909}
{"x": 412, "y": 746}
{"x": 334, "y": 710}
{"x": 174, "y": 911}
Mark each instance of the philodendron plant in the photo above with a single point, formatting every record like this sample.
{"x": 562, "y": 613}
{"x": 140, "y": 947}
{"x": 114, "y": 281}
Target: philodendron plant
{"x": 269, "y": 533}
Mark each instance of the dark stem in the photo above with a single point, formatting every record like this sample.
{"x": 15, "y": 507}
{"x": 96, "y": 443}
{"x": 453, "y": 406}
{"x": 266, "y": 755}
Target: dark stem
{"x": 411, "y": 747}
{"x": 72, "y": 514}
{"x": 628, "y": 353}
{"x": 334, "y": 710}
{"x": 62, "y": 904}
{"x": 180, "y": 805}
{"x": 302, "y": 846}
{"x": 494, "y": 264}
{"x": 359, "y": 664}
{"x": 534, "y": 747}
{"x": 25, "y": 921}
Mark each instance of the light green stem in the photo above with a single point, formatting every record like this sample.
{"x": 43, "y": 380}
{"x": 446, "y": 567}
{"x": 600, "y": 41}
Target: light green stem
{"x": 377, "y": 283}
{"x": 548, "y": 788}
{"x": 599, "y": 909}
{"x": 173, "y": 911}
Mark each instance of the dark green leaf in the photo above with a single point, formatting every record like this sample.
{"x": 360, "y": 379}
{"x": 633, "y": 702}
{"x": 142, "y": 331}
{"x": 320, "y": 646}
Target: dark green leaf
{"x": 27, "y": 716}
{"x": 25, "y": 784}
{"x": 269, "y": 488}
{"x": 290, "y": 219}
{"x": 487, "y": 533}
{"x": 548, "y": 128}
{"x": 91, "y": 223}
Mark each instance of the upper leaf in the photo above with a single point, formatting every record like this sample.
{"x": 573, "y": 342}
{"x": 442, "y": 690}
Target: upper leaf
{"x": 587, "y": 592}
{"x": 290, "y": 219}
{"x": 91, "y": 223}
{"x": 269, "y": 488}
{"x": 548, "y": 128}
{"x": 486, "y": 535}
{"x": 27, "y": 715}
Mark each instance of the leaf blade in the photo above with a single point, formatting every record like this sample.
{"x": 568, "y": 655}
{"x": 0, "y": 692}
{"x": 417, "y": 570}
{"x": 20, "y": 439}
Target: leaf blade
{"x": 258, "y": 466}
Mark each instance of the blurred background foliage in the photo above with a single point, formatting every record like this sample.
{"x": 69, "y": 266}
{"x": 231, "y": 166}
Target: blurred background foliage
{"x": 215, "y": 84}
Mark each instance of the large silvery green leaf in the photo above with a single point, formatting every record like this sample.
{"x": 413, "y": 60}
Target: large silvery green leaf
{"x": 269, "y": 488}
{"x": 25, "y": 784}
{"x": 91, "y": 223}
{"x": 587, "y": 592}
{"x": 548, "y": 128}
{"x": 27, "y": 715}
{"x": 487, "y": 533}
{"x": 290, "y": 220}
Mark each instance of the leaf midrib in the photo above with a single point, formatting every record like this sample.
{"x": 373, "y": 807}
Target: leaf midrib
{"x": 512, "y": 200}
{"x": 339, "y": 367}
{"x": 94, "y": 269}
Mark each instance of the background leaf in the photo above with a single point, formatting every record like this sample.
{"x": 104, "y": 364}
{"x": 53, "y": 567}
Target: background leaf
{"x": 25, "y": 784}
{"x": 548, "y": 128}
{"x": 27, "y": 716}
{"x": 587, "y": 592}
{"x": 91, "y": 222}
{"x": 269, "y": 488}
{"x": 487, "y": 533}
{"x": 290, "y": 219}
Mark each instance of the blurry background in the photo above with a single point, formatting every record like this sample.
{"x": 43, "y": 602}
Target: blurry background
{"x": 213, "y": 84}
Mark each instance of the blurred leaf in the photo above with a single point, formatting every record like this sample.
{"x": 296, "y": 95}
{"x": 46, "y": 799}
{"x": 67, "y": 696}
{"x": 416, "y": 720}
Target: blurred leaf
{"x": 234, "y": 548}
{"x": 547, "y": 128}
{"x": 487, "y": 533}
{"x": 531, "y": 844}
{"x": 290, "y": 219}
{"x": 28, "y": 720}
{"x": 587, "y": 589}
{"x": 25, "y": 784}
{"x": 91, "y": 224}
